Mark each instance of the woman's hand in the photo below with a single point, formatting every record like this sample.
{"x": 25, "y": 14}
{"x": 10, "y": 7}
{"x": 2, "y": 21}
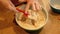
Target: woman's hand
{"x": 7, "y": 5}
{"x": 34, "y": 3}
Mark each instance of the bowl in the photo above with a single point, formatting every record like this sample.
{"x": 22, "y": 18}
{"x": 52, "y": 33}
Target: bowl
{"x": 32, "y": 29}
{"x": 55, "y": 6}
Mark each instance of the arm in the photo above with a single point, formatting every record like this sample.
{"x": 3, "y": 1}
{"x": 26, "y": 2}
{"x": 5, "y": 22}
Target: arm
{"x": 7, "y": 5}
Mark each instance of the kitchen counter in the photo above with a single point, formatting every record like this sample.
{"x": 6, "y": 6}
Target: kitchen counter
{"x": 9, "y": 26}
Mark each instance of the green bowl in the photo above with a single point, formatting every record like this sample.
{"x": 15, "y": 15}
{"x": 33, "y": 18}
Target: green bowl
{"x": 54, "y": 4}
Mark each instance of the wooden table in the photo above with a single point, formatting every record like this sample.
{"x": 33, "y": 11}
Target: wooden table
{"x": 8, "y": 26}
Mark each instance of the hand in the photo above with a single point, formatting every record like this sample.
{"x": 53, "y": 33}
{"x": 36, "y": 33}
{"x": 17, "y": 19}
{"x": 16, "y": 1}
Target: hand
{"x": 34, "y": 3}
{"x": 7, "y": 5}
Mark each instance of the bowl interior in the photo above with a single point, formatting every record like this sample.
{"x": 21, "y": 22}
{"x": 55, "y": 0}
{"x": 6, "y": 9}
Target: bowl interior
{"x": 46, "y": 17}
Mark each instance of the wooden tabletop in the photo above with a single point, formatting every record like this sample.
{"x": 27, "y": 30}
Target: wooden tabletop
{"x": 9, "y": 26}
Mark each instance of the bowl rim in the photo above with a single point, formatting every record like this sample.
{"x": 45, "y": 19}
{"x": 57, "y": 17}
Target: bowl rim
{"x": 41, "y": 26}
{"x": 52, "y": 5}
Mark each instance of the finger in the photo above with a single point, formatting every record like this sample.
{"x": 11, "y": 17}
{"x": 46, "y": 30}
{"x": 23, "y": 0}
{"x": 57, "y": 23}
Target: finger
{"x": 12, "y": 7}
{"x": 11, "y": 3}
{"x": 37, "y": 6}
{"x": 33, "y": 7}
{"x": 27, "y": 7}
